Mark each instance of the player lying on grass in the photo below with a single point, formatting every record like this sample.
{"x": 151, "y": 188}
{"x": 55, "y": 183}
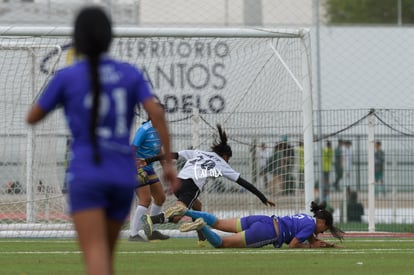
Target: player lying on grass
{"x": 199, "y": 166}
{"x": 298, "y": 231}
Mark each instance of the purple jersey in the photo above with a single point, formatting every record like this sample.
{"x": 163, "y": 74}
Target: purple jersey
{"x": 259, "y": 230}
{"x": 122, "y": 88}
{"x": 301, "y": 226}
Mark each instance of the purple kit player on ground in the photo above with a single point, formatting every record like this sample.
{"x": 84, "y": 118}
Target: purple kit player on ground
{"x": 298, "y": 231}
{"x": 99, "y": 95}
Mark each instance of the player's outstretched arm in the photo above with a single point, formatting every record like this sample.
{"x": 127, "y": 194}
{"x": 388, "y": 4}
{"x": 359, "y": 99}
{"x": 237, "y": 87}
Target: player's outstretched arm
{"x": 173, "y": 155}
{"x": 254, "y": 190}
{"x": 35, "y": 114}
{"x": 295, "y": 243}
{"x": 323, "y": 244}
{"x": 313, "y": 243}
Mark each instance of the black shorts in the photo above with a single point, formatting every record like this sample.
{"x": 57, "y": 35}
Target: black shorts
{"x": 188, "y": 192}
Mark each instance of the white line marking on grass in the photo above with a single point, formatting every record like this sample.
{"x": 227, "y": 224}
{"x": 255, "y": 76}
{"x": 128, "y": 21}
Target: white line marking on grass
{"x": 275, "y": 251}
{"x": 232, "y": 251}
{"x": 38, "y": 252}
{"x": 377, "y": 240}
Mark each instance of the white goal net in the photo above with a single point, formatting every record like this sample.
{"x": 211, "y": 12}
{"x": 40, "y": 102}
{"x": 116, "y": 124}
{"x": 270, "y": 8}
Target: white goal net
{"x": 256, "y": 83}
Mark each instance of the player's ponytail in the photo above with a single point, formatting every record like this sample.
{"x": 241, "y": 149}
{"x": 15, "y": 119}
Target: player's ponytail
{"x": 221, "y": 147}
{"x": 92, "y": 37}
{"x": 93, "y": 61}
{"x": 320, "y": 212}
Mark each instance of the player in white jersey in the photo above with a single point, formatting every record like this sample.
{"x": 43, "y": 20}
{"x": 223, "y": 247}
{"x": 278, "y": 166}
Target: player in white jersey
{"x": 199, "y": 166}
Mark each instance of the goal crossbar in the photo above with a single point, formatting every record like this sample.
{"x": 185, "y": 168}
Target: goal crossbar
{"x": 159, "y": 32}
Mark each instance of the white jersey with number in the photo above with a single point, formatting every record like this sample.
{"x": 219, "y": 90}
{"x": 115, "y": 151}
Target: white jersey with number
{"x": 201, "y": 165}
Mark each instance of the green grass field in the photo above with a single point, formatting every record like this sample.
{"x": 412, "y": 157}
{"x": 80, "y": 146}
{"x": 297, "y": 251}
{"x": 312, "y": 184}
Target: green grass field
{"x": 182, "y": 256}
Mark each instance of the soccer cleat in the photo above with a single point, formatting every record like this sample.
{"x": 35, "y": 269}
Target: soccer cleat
{"x": 178, "y": 210}
{"x": 147, "y": 225}
{"x": 195, "y": 225}
{"x": 201, "y": 243}
{"x": 136, "y": 238}
{"x": 157, "y": 235}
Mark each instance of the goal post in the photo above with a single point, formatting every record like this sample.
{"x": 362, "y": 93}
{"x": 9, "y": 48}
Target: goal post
{"x": 255, "y": 82}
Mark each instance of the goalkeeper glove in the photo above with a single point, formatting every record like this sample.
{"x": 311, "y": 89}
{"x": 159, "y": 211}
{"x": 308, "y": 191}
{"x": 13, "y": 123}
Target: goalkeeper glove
{"x": 142, "y": 176}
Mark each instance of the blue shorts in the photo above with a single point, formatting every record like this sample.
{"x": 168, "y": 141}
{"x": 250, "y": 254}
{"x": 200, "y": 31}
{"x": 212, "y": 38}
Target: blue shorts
{"x": 258, "y": 230}
{"x": 115, "y": 198}
{"x": 152, "y": 177}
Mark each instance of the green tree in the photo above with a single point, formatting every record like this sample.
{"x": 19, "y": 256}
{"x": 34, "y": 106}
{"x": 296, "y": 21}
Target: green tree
{"x": 368, "y": 11}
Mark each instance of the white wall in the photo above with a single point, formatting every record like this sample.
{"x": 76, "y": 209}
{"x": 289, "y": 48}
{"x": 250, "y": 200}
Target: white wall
{"x": 366, "y": 67}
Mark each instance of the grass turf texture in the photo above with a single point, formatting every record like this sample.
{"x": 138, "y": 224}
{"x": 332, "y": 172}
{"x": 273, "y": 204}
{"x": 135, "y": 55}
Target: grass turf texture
{"x": 182, "y": 256}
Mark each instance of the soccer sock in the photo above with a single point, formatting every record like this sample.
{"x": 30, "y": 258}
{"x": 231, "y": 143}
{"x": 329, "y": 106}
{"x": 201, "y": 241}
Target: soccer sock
{"x": 158, "y": 218}
{"x": 210, "y": 219}
{"x": 155, "y": 210}
{"x": 200, "y": 234}
{"x": 212, "y": 237}
{"x": 136, "y": 223}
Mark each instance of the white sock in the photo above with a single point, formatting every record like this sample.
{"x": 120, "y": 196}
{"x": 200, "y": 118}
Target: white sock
{"x": 136, "y": 223}
{"x": 155, "y": 210}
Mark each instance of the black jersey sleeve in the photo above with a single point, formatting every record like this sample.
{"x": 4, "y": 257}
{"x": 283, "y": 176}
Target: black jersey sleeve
{"x": 149, "y": 160}
{"x": 251, "y": 188}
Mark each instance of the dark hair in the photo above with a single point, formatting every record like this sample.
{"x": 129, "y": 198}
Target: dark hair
{"x": 221, "y": 148}
{"x": 92, "y": 37}
{"x": 320, "y": 212}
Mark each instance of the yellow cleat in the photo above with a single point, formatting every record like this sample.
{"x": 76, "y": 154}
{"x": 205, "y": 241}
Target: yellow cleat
{"x": 201, "y": 243}
{"x": 147, "y": 225}
{"x": 198, "y": 224}
{"x": 178, "y": 210}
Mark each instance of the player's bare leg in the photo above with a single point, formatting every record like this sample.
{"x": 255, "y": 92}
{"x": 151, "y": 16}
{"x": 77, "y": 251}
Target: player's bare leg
{"x": 157, "y": 193}
{"x": 94, "y": 243}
